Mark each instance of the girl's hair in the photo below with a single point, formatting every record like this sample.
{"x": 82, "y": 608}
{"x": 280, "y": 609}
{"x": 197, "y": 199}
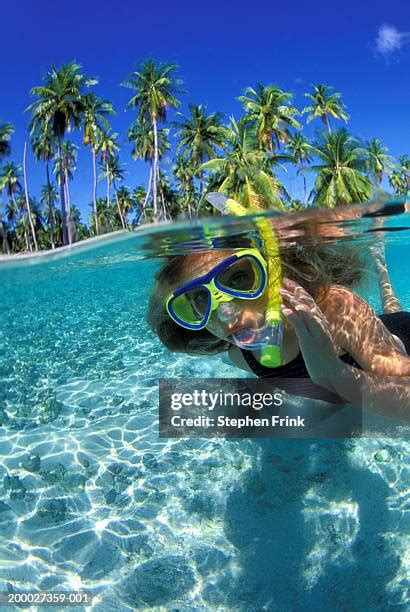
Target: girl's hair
{"x": 314, "y": 267}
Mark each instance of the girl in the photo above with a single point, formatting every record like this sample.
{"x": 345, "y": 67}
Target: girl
{"x": 214, "y": 301}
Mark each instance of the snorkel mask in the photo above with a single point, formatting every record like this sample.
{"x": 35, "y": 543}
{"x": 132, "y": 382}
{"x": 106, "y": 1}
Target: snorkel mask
{"x": 242, "y": 276}
{"x": 268, "y": 337}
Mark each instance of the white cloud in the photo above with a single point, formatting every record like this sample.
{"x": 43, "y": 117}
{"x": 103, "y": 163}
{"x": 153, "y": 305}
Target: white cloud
{"x": 390, "y": 39}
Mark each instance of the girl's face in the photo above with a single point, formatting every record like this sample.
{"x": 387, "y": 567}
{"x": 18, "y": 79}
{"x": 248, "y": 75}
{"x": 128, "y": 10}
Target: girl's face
{"x": 230, "y": 316}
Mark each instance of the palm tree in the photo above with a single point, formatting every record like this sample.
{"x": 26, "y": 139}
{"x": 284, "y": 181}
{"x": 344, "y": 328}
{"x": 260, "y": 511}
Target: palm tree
{"x": 10, "y": 179}
{"x": 113, "y": 171}
{"x": 341, "y": 174}
{"x": 324, "y": 105}
{"x": 11, "y": 211}
{"x": 200, "y": 134}
{"x": 22, "y": 232}
{"x": 33, "y": 232}
{"x": 126, "y": 201}
{"x": 106, "y": 216}
{"x": 404, "y": 163}
{"x": 184, "y": 171}
{"x": 156, "y": 88}
{"x": 141, "y": 134}
{"x": 64, "y": 167}
{"x": 245, "y": 173}
{"x": 6, "y": 131}
{"x": 43, "y": 145}
{"x": 79, "y": 227}
{"x": 48, "y": 197}
{"x": 3, "y": 235}
{"x": 377, "y": 160}
{"x": 399, "y": 178}
{"x": 95, "y": 111}
{"x": 107, "y": 146}
{"x": 300, "y": 153}
{"x": 269, "y": 108}
{"x": 59, "y": 105}
{"x": 397, "y": 182}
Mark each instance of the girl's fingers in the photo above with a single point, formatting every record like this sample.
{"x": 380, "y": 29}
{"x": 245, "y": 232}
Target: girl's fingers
{"x": 300, "y": 294}
{"x": 295, "y": 320}
{"x": 290, "y": 283}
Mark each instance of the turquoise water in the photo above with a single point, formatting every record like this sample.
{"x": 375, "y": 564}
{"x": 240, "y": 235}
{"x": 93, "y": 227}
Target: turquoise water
{"x": 92, "y": 499}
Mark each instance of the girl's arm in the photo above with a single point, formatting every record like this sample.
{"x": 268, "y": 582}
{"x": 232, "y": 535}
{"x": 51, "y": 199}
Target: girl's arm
{"x": 354, "y": 326}
{"x": 386, "y": 395}
{"x": 346, "y": 320}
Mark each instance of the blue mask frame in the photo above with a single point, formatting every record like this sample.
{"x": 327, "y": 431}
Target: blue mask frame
{"x": 217, "y": 293}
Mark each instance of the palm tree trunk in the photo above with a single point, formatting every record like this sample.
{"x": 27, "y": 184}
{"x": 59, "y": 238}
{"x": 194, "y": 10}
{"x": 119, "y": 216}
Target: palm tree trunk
{"x": 161, "y": 192}
{"x": 198, "y": 162}
{"x": 70, "y": 225}
{"x": 28, "y": 245}
{"x": 154, "y": 125}
{"x": 95, "y": 191}
{"x": 50, "y": 207}
{"x": 108, "y": 184}
{"x": 329, "y": 129}
{"x": 3, "y": 234}
{"x": 119, "y": 207}
{"x": 149, "y": 188}
{"x": 68, "y": 193}
{"x": 33, "y": 233}
{"x": 62, "y": 195}
{"x": 201, "y": 185}
{"x": 108, "y": 196}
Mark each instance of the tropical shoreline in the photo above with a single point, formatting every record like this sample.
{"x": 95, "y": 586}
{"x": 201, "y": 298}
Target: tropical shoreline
{"x": 186, "y": 155}
{"x": 77, "y": 247}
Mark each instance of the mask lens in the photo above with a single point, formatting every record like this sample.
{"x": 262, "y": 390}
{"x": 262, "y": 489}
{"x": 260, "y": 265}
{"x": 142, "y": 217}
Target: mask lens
{"x": 243, "y": 276}
{"x": 192, "y": 306}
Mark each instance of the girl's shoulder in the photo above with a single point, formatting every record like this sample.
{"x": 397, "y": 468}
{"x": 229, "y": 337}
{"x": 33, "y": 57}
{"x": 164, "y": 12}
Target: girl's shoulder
{"x": 346, "y": 312}
{"x": 340, "y": 299}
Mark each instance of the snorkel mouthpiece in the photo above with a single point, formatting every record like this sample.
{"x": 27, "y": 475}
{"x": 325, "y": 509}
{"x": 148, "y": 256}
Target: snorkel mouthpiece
{"x": 269, "y": 338}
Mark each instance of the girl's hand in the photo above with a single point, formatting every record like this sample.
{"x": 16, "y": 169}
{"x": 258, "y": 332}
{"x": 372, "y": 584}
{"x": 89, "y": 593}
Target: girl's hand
{"x": 312, "y": 330}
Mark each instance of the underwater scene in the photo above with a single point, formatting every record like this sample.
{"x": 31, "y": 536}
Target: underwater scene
{"x": 92, "y": 499}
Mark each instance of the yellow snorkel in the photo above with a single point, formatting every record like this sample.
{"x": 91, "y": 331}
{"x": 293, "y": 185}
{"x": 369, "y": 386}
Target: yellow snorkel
{"x": 271, "y": 352}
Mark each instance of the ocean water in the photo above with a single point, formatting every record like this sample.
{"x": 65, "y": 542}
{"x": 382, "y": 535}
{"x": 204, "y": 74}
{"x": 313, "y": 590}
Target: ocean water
{"x": 92, "y": 499}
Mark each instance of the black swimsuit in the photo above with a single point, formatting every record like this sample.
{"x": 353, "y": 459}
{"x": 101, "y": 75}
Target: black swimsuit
{"x": 295, "y": 372}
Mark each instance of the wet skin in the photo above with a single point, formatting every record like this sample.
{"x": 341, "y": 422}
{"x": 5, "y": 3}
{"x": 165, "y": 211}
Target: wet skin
{"x": 341, "y": 322}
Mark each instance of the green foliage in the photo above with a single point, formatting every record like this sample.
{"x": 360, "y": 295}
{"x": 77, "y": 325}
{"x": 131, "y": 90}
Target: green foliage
{"x": 11, "y": 176}
{"x": 341, "y": 172}
{"x": 6, "y": 131}
{"x": 59, "y": 102}
{"x": 270, "y": 110}
{"x": 200, "y": 134}
{"x": 243, "y": 158}
{"x": 141, "y": 135}
{"x": 68, "y": 159}
{"x": 324, "y": 105}
{"x": 94, "y": 113}
{"x": 378, "y": 162}
{"x": 156, "y": 88}
{"x": 246, "y": 171}
{"x": 399, "y": 179}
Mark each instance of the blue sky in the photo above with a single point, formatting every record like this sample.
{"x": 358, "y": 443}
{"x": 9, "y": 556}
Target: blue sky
{"x": 221, "y": 47}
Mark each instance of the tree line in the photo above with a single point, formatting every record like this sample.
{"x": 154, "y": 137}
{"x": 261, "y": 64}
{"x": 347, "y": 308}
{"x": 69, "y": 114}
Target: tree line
{"x": 240, "y": 157}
